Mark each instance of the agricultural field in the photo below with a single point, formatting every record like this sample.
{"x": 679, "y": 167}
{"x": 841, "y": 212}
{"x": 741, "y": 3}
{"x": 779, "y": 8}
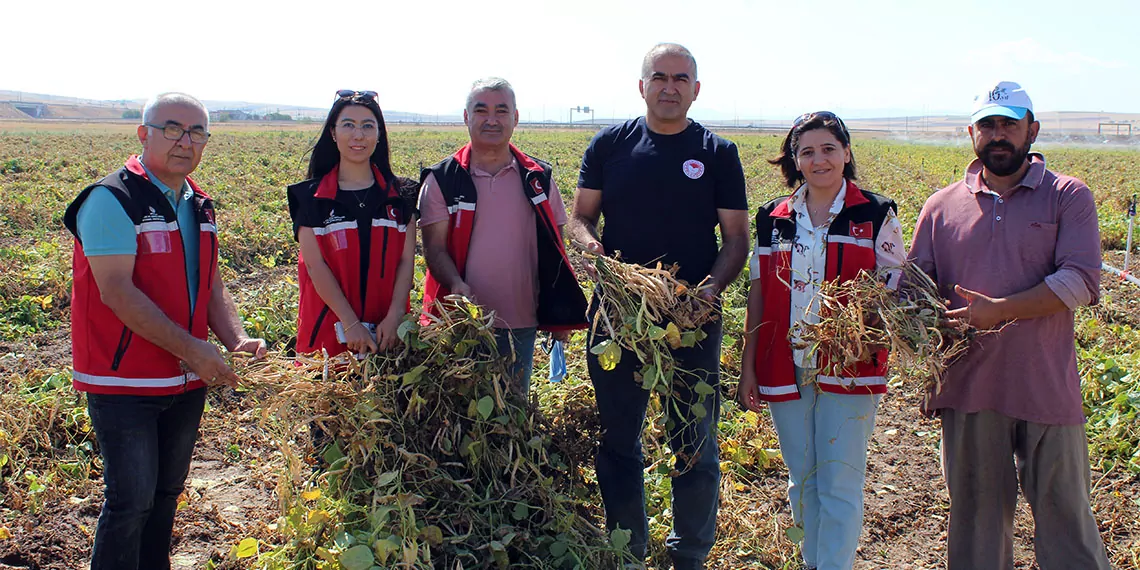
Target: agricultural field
{"x": 241, "y": 508}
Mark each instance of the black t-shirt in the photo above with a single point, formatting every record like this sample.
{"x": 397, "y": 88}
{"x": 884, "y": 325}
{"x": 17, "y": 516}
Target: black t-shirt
{"x": 661, "y": 193}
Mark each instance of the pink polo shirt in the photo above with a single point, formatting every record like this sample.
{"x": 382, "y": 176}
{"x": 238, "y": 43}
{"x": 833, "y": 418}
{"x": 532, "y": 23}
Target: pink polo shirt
{"x": 502, "y": 260}
{"x": 1043, "y": 230}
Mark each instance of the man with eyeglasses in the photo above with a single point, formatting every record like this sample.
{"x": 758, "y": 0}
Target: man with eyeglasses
{"x": 146, "y": 291}
{"x": 663, "y": 184}
{"x": 1016, "y": 249}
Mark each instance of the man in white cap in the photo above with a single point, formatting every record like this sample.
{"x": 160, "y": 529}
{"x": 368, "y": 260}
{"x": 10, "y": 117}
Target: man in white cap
{"x": 1016, "y": 249}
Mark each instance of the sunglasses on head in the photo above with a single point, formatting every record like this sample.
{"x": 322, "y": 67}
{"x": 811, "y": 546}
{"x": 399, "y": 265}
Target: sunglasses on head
{"x": 350, "y": 94}
{"x": 825, "y": 115}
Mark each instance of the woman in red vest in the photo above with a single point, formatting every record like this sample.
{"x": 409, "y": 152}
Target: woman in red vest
{"x": 355, "y": 221}
{"x": 827, "y": 229}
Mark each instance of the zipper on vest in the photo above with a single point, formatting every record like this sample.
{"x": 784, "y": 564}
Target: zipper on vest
{"x": 838, "y": 260}
{"x": 384, "y": 253}
{"x": 124, "y": 342}
{"x": 317, "y": 326}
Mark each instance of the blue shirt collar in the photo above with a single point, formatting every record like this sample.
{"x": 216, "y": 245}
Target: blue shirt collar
{"x": 167, "y": 191}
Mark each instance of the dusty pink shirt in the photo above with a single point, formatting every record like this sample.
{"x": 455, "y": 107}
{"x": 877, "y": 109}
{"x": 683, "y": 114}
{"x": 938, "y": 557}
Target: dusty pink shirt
{"x": 502, "y": 260}
{"x": 1043, "y": 230}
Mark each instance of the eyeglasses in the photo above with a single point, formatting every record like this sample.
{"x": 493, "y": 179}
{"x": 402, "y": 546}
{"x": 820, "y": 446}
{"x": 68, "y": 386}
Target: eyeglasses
{"x": 362, "y": 95}
{"x": 174, "y": 132}
{"x": 825, "y": 115}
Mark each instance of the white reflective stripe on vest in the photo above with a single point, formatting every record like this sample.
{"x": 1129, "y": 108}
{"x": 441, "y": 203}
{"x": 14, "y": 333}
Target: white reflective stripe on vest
{"x": 156, "y": 227}
{"x": 778, "y": 390}
{"x": 469, "y": 206}
{"x": 208, "y": 228}
{"x": 867, "y": 243}
{"x": 134, "y": 382}
{"x": 389, "y": 223}
{"x": 754, "y": 261}
{"x": 334, "y": 228}
{"x": 838, "y": 381}
{"x": 538, "y": 199}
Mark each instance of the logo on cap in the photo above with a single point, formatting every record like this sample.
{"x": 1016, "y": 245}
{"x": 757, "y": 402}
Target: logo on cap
{"x": 999, "y": 94}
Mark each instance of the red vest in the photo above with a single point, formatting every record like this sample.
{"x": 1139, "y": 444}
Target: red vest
{"x": 367, "y": 283}
{"x": 850, "y": 248}
{"x": 108, "y": 357}
{"x": 561, "y": 304}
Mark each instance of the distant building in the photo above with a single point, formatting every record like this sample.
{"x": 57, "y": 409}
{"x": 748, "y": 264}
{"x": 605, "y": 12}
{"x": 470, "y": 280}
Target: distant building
{"x": 224, "y": 115}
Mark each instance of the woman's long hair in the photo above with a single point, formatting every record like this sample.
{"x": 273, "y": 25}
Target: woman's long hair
{"x": 325, "y": 155}
{"x": 810, "y": 122}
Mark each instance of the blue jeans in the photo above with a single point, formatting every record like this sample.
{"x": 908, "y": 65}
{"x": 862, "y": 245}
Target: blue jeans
{"x": 146, "y": 443}
{"x": 621, "y": 464}
{"x": 522, "y": 342}
{"x": 823, "y": 440}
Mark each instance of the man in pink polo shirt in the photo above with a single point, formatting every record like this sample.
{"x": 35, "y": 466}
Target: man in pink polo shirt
{"x": 1015, "y": 247}
{"x": 491, "y": 222}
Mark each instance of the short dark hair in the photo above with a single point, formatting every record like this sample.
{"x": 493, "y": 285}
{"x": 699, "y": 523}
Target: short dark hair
{"x": 810, "y": 122}
{"x": 325, "y": 155}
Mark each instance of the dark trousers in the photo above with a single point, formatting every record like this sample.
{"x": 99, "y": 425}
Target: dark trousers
{"x": 146, "y": 443}
{"x": 621, "y": 465}
{"x": 985, "y": 455}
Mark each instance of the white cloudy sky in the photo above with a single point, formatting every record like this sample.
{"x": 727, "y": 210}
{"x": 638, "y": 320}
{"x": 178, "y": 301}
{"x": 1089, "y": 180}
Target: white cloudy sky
{"x": 758, "y": 59}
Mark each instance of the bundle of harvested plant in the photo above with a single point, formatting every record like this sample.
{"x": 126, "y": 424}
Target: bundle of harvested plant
{"x": 863, "y": 315}
{"x": 650, "y": 313}
{"x": 434, "y": 461}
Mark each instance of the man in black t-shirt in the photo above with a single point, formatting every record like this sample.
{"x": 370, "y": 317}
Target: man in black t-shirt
{"x": 663, "y": 183}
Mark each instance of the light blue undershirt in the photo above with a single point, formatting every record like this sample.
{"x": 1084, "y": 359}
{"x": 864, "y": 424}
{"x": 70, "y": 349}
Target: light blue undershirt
{"x": 106, "y": 229}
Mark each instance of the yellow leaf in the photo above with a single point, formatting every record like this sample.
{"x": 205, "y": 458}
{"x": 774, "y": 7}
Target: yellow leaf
{"x": 680, "y": 289}
{"x": 247, "y": 548}
{"x": 673, "y": 336}
{"x": 318, "y": 517}
{"x": 311, "y": 495}
{"x": 5, "y": 534}
{"x": 610, "y": 357}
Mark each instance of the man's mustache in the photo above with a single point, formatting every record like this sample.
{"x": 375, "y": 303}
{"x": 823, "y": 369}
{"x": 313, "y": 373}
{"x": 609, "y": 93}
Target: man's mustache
{"x": 999, "y": 145}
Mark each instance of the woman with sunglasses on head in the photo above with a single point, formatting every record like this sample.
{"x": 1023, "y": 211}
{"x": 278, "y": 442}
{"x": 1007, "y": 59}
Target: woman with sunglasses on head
{"x": 827, "y": 229}
{"x": 352, "y": 218}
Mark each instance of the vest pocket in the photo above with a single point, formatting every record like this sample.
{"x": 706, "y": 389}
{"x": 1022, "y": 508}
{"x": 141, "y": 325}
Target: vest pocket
{"x": 124, "y": 343}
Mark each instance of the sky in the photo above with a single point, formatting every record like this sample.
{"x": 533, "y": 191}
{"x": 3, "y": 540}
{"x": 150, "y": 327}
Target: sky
{"x": 756, "y": 59}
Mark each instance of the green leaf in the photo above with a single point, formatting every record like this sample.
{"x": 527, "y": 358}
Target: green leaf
{"x": 386, "y": 478}
{"x": 599, "y": 348}
{"x": 405, "y": 328}
{"x": 496, "y": 546}
{"x": 485, "y": 406}
{"x": 333, "y": 454}
{"x": 412, "y": 376}
{"x": 704, "y": 389}
{"x": 656, "y": 332}
{"x": 619, "y": 537}
{"x": 794, "y": 533}
{"x": 558, "y": 549}
{"x": 688, "y": 339}
{"x": 344, "y": 540}
{"x": 699, "y": 411}
{"x": 358, "y": 557}
{"x": 247, "y": 548}
{"x": 521, "y": 511}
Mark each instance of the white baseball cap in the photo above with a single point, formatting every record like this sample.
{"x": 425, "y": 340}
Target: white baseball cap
{"x": 1006, "y": 99}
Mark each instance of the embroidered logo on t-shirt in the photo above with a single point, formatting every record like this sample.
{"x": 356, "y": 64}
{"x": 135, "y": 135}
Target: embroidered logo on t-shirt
{"x": 693, "y": 168}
